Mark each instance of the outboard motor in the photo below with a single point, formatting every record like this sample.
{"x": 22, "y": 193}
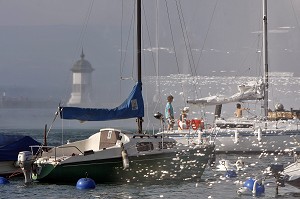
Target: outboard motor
{"x": 160, "y": 117}
{"x": 25, "y": 160}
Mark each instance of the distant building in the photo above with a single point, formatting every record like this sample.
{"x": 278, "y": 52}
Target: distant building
{"x": 82, "y": 83}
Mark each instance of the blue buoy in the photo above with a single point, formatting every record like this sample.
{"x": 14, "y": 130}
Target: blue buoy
{"x": 260, "y": 189}
{"x": 230, "y": 174}
{"x": 249, "y": 183}
{"x": 255, "y": 186}
{"x": 85, "y": 183}
{"x": 3, "y": 180}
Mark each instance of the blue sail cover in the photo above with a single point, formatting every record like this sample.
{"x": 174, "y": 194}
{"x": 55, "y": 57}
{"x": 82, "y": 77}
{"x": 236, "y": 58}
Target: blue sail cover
{"x": 132, "y": 107}
{"x": 11, "y": 145}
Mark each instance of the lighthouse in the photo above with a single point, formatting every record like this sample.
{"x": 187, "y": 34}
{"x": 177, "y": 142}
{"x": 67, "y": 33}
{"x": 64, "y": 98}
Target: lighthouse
{"x": 82, "y": 83}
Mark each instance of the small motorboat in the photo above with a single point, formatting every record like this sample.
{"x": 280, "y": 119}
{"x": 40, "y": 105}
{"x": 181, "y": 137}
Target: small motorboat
{"x": 292, "y": 173}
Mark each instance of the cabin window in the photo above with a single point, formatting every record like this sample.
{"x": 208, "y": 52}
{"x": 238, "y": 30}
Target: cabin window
{"x": 144, "y": 146}
{"x": 166, "y": 145}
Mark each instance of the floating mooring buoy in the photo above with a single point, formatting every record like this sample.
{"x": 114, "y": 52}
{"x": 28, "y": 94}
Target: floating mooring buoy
{"x": 85, "y": 183}
{"x": 3, "y": 180}
{"x": 252, "y": 187}
{"x": 230, "y": 174}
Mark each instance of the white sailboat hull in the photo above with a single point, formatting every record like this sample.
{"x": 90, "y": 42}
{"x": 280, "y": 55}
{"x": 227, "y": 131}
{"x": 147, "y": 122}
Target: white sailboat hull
{"x": 8, "y": 167}
{"x": 292, "y": 174}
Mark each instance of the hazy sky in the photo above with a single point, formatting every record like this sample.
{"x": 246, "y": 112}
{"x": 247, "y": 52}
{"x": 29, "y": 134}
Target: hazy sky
{"x": 41, "y": 39}
{"x": 53, "y": 12}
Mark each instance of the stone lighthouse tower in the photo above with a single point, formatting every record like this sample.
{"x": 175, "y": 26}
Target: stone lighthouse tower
{"x": 82, "y": 83}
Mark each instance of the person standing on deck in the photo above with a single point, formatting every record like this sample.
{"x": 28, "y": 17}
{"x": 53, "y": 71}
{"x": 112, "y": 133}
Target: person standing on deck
{"x": 169, "y": 112}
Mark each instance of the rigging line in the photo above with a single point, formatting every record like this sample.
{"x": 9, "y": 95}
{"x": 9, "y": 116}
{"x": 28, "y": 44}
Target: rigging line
{"x": 183, "y": 34}
{"x": 187, "y": 46}
{"x": 173, "y": 43}
{"x": 204, "y": 43}
{"x": 124, "y": 55}
{"x": 147, "y": 27}
{"x": 187, "y": 38}
{"x": 134, "y": 47}
{"x": 175, "y": 54}
{"x": 158, "y": 89}
{"x": 147, "y": 109}
{"x": 152, "y": 56}
{"x": 258, "y": 51}
{"x": 84, "y": 27}
{"x": 206, "y": 35}
{"x": 158, "y": 103}
{"x": 259, "y": 45}
{"x": 296, "y": 18}
{"x": 123, "y": 58}
{"x": 55, "y": 117}
{"x": 81, "y": 37}
{"x": 243, "y": 61}
{"x": 259, "y": 58}
{"x": 172, "y": 36}
{"x": 126, "y": 47}
{"x": 48, "y": 131}
{"x": 121, "y": 47}
{"x": 193, "y": 66}
{"x": 87, "y": 20}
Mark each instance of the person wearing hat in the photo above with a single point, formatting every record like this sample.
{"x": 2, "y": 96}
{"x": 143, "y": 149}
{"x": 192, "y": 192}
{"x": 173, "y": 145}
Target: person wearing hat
{"x": 183, "y": 117}
{"x": 169, "y": 112}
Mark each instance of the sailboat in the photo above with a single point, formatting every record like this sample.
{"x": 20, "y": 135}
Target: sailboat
{"x": 275, "y": 131}
{"x": 114, "y": 155}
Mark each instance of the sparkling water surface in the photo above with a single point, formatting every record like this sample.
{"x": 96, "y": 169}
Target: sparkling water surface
{"x": 212, "y": 185}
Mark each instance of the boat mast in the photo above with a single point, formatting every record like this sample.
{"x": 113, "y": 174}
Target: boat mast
{"x": 265, "y": 58}
{"x": 139, "y": 53}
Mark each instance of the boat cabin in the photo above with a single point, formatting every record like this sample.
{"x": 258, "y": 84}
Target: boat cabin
{"x": 112, "y": 138}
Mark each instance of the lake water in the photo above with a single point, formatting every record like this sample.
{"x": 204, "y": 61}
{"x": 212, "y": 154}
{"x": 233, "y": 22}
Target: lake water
{"x": 213, "y": 185}
{"x": 283, "y": 90}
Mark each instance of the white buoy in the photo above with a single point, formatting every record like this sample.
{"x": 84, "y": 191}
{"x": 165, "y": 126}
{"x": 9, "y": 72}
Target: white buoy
{"x": 259, "y": 134}
{"x": 199, "y": 137}
{"x": 236, "y": 137}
